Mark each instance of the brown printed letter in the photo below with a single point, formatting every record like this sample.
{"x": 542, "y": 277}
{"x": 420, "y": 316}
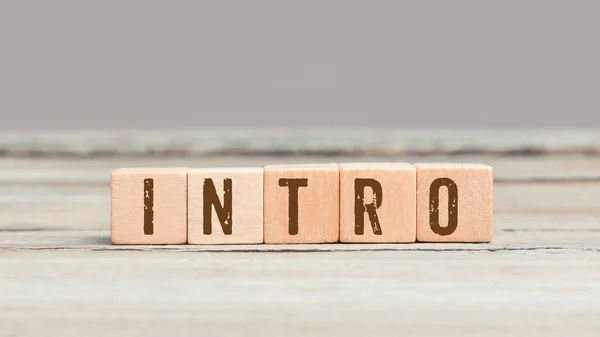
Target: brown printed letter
{"x": 148, "y": 206}
{"x": 293, "y": 186}
{"x": 434, "y": 204}
{"x": 224, "y": 213}
{"x": 360, "y": 207}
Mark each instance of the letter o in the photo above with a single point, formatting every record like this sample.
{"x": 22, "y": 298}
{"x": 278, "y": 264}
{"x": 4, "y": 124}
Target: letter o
{"x": 434, "y": 204}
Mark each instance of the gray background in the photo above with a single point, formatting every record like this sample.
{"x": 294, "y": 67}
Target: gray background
{"x": 101, "y": 64}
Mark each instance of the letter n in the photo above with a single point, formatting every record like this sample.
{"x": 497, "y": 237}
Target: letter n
{"x": 224, "y": 212}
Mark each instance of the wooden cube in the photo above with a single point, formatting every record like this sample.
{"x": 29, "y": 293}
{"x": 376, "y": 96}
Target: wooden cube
{"x": 454, "y": 203}
{"x": 225, "y": 206}
{"x": 149, "y": 206}
{"x": 301, "y": 203}
{"x": 378, "y": 202}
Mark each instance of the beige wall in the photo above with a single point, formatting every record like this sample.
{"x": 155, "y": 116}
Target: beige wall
{"x": 266, "y": 63}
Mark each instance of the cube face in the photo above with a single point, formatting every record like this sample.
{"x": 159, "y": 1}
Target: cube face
{"x": 378, "y": 203}
{"x": 225, "y": 206}
{"x": 301, "y": 203}
{"x": 149, "y": 206}
{"x": 454, "y": 203}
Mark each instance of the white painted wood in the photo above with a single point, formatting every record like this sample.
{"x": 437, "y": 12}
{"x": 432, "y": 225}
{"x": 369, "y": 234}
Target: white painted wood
{"x": 59, "y": 275}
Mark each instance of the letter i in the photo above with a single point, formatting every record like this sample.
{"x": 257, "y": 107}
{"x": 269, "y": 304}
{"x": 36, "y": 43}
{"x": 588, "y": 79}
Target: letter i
{"x": 148, "y": 206}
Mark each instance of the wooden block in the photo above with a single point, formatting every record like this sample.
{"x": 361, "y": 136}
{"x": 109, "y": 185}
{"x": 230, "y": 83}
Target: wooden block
{"x": 454, "y": 203}
{"x": 301, "y": 203}
{"x": 378, "y": 202}
{"x": 225, "y": 206}
{"x": 149, "y": 206}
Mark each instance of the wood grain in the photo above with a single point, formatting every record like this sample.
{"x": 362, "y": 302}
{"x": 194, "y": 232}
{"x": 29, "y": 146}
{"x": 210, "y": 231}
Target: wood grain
{"x": 149, "y": 206}
{"x": 60, "y": 275}
{"x": 386, "y": 216}
{"x": 301, "y": 203}
{"x": 245, "y": 218}
{"x": 454, "y": 202}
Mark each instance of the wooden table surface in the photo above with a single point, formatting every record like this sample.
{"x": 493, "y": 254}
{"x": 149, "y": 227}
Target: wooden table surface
{"x": 59, "y": 274}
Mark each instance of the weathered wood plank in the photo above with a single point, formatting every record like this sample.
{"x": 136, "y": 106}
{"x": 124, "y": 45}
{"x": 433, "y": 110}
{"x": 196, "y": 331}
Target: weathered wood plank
{"x": 324, "y": 142}
{"x": 322, "y": 294}
{"x": 60, "y": 275}
{"x": 504, "y": 241}
{"x": 15, "y": 171}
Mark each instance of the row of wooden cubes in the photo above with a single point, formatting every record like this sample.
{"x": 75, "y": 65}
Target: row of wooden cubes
{"x": 308, "y": 203}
